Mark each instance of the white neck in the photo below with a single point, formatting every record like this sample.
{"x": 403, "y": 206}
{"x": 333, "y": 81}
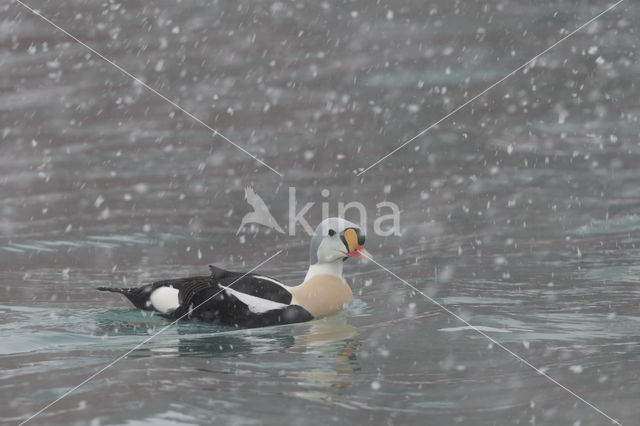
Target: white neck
{"x": 333, "y": 268}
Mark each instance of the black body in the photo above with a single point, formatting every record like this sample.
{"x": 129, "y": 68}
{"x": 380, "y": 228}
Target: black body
{"x": 205, "y": 298}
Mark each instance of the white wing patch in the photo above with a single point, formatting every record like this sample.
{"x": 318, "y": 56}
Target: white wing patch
{"x": 255, "y": 304}
{"x": 165, "y": 299}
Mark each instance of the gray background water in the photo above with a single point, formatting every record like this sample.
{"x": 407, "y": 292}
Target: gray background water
{"x": 520, "y": 212}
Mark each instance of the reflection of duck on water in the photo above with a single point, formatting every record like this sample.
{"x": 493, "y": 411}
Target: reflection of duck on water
{"x": 325, "y": 351}
{"x": 331, "y": 341}
{"x": 324, "y": 333}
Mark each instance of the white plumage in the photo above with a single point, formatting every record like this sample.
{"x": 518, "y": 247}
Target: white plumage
{"x": 257, "y": 305}
{"x": 165, "y": 299}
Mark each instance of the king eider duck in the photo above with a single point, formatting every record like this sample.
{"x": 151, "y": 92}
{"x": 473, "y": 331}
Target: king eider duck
{"x": 254, "y": 300}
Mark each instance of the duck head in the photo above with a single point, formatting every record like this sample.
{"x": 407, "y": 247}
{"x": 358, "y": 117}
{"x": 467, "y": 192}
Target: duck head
{"x": 336, "y": 239}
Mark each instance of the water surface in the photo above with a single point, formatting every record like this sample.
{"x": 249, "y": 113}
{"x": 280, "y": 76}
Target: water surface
{"x": 520, "y": 213}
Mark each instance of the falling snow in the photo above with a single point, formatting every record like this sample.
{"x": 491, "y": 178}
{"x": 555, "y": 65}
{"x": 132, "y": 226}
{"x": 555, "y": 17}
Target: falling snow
{"x": 516, "y": 190}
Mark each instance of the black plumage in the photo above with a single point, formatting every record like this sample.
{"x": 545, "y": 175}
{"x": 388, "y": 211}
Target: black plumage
{"x": 206, "y": 298}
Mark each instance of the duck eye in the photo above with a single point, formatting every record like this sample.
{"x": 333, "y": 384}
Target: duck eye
{"x": 332, "y": 232}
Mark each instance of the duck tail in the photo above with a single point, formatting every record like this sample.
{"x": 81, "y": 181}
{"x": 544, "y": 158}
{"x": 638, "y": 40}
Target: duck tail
{"x": 138, "y": 296}
{"x": 114, "y": 289}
